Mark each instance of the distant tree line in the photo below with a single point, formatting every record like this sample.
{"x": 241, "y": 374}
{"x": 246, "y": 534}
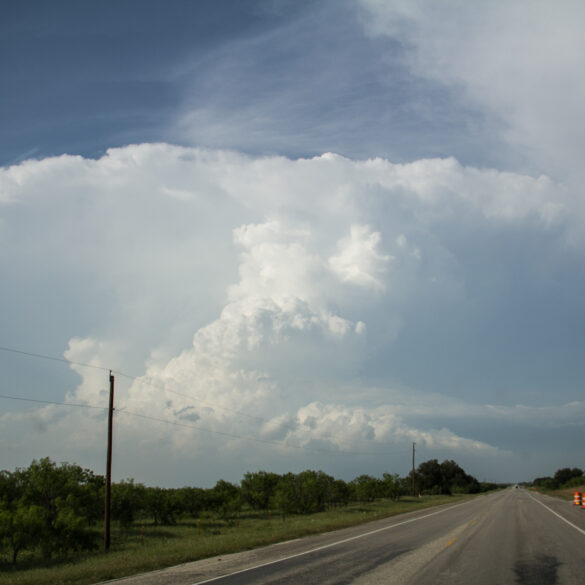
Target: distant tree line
{"x": 566, "y": 477}
{"x": 57, "y": 509}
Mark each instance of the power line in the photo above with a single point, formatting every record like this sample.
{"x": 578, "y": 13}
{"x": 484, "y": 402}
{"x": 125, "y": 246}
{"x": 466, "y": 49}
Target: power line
{"x": 52, "y": 358}
{"x": 130, "y": 377}
{"x": 179, "y": 424}
{"x": 165, "y": 389}
{"x": 141, "y": 381}
{"x": 52, "y": 402}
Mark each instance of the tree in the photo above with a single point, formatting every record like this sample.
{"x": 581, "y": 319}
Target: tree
{"x": 366, "y": 488}
{"x": 314, "y": 487}
{"x": 225, "y": 498}
{"x": 191, "y": 500}
{"x": 258, "y": 488}
{"x": 457, "y": 480}
{"x": 445, "y": 478}
{"x": 546, "y": 483}
{"x": 57, "y": 496}
{"x": 20, "y": 523}
{"x": 285, "y": 494}
{"x": 305, "y": 492}
{"x": 392, "y": 486}
{"x": 339, "y": 493}
{"x": 429, "y": 478}
{"x": 127, "y": 502}
{"x": 90, "y": 499}
{"x": 162, "y": 505}
{"x": 20, "y": 527}
{"x": 566, "y": 474}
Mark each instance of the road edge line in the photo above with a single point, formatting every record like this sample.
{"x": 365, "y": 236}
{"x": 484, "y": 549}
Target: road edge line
{"x": 558, "y": 515}
{"x": 331, "y": 544}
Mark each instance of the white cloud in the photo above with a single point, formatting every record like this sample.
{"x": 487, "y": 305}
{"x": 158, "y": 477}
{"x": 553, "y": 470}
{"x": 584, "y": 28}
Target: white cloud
{"x": 351, "y": 428}
{"x": 101, "y": 356}
{"x": 359, "y": 260}
{"x": 517, "y": 62}
{"x": 275, "y": 262}
{"x": 255, "y": 297}
{"x": 439, "y": 189}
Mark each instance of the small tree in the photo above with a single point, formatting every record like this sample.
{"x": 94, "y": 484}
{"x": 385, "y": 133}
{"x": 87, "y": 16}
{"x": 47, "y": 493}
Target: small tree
{"x": 391, "y": 486}
{"x": 258, "y": 488}
{"x": 225, "y": 498}
{"x": 286, "y": 494}
{"x": 163, "y": 505}
{"x": 313, "y": 491}
{"x": 128, "y": 501}
{"x": 21, "y": 524}
{"x": 366, "y": 488}
{"x": 339, "y": 493}
{"x": 191, "y": 500}
{"x": 54, "y": 501}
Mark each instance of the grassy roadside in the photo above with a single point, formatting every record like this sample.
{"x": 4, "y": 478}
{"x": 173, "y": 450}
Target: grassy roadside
{"x": 146, "y": 547}
{"x": 563, "y": 493}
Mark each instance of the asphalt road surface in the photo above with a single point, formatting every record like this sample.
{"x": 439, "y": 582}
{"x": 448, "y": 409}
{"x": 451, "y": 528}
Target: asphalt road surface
{"x": 509, "y": 537}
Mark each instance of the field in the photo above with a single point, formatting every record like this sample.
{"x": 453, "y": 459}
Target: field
{"x": 146, "y": 547}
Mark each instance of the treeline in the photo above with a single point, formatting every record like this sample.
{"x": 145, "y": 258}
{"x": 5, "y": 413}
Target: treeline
{"x": 56, "y": 509}
{"x": 567, "y": 477}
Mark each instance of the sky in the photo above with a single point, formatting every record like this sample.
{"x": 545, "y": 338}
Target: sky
{"x": 302, "y": 235}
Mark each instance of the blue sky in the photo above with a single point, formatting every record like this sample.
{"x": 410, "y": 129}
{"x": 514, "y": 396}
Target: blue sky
{"x": 293, "y": 78}
{"x": 360, "y": 222}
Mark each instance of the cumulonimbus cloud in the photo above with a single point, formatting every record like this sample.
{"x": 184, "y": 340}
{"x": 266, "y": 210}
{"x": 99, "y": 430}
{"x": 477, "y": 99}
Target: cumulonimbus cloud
{"x": 247, "y": 287}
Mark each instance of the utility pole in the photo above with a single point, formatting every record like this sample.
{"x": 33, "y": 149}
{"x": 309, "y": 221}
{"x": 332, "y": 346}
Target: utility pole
{"x": 413, "y": 487}
{"x": 109, "y": 466}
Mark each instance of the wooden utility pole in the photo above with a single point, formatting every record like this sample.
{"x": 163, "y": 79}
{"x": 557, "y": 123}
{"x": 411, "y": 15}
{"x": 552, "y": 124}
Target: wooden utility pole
{"x": 413, "y": 486}
{"x": 109, "y": 466}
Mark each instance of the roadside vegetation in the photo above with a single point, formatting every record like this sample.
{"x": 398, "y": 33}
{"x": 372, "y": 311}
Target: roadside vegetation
{"x": 51, "y": 516}
{"x": 562, "y": 484}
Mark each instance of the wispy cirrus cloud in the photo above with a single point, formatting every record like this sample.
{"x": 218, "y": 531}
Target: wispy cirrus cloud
{"x": 515, "y": 63}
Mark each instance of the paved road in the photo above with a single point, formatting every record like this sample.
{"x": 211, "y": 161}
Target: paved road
{"x": 510, "y": 537}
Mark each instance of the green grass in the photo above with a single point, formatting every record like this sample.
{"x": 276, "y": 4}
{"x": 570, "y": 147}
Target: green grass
{"x": 146, "y": 547}
{"x": 562, "y": 493}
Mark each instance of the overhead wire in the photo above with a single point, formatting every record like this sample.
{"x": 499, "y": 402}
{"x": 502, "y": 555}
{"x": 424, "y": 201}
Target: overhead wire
{"x": 162, "y": 387}
{"x": 180, "y": 424}
{"x": 52, "y": 358}
{"x": 141, "y": 380}
{"x": 52, "y": 402}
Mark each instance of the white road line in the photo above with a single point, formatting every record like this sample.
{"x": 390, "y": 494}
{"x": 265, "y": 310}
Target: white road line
{"x": 332, "y": 544}
{"x": 557, "y": 515}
